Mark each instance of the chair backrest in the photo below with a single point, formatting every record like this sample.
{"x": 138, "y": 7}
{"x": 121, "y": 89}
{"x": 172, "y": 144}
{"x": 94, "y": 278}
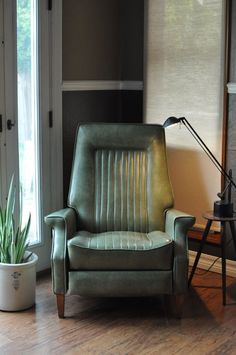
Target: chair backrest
{"x": 119, "y": 178}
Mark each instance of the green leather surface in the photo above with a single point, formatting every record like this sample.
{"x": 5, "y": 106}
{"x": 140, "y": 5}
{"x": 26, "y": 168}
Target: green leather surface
{"x": 120, "y": 283}
{"x": 120, "y": 251}
{"x": 64, "y": 225}
{"x": 119, "y": 181}
{"x": 177, "y": 225}
{"x": 119, "y": 178}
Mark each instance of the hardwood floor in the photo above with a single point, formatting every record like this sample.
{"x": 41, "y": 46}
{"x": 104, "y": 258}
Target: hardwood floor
{"x": 124, "y": 326}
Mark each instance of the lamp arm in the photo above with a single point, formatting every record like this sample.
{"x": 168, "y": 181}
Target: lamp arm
{"x": 206, "y": 149}
{"x": 222, "y": 194}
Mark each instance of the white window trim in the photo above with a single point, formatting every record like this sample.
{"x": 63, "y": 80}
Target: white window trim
{"x": 87, "y": 85}
{"x": 56, "y": 142}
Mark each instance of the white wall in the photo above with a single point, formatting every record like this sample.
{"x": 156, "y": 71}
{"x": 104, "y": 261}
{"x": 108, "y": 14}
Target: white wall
{"x": 183, "y": 77}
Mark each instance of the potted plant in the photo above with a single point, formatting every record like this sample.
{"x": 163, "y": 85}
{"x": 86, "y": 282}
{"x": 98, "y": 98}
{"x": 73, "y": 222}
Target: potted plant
{"x": 17, "y": 265}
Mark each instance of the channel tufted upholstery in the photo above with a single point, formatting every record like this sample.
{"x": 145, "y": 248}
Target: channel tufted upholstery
{"x": 120, "y": 235}
{"x": 127, "y": 251}
{"x": 120, "y": 190}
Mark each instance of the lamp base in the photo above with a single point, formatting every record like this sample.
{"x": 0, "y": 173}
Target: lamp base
{"x": 223, "y": 209}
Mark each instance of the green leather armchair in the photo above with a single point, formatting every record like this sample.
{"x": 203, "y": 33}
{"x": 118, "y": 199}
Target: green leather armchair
{"x": 119, "y": 236}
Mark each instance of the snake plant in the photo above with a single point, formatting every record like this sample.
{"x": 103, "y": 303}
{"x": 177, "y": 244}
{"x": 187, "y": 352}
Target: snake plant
{"x": 13, "y": 239}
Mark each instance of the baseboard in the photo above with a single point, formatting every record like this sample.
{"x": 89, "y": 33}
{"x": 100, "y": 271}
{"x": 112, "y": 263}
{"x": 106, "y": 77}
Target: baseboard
{"x": 43, "y": 273}
{"x": 206, "y": 261}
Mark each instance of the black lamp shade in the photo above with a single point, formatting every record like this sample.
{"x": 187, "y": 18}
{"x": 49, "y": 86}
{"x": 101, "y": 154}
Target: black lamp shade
{"x": 171, "y": 121}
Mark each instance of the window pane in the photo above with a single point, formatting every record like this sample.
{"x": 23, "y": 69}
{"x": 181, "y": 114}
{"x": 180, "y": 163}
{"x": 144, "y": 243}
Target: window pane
{"x": 27, "y": 77}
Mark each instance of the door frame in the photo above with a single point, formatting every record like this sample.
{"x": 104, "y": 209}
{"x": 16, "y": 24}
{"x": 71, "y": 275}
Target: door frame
{"x": 57, "y": 140}
{"x": 51, "y": 102}
{"x": 50, "y": 97}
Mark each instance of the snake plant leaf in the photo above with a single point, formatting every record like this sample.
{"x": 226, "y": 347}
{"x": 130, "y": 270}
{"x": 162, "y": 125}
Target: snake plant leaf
{"x": 22, "y": 240}
{"x": 13, "y": 239}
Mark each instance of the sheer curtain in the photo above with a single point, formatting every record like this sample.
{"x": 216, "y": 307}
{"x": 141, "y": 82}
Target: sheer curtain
{"x": 184, "y": 43}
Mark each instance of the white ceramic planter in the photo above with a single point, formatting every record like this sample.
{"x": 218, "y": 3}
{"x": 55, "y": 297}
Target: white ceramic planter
{"x": 17, "y": 285}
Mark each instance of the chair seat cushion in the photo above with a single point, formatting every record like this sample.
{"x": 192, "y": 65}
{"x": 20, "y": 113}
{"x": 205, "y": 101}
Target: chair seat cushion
{"x": 120, "y": 251}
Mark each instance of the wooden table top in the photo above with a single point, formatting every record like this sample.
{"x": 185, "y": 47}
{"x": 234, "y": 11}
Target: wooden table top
{"x": 210, "y": 216}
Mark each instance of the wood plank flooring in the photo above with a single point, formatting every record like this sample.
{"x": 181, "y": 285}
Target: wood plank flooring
{"x": 124, "y": 326}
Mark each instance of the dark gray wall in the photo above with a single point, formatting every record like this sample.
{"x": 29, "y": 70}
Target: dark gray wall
{"x": 91, "y": 38}
{"x": 102, "y": 40}
{"x": 131, "y": 38}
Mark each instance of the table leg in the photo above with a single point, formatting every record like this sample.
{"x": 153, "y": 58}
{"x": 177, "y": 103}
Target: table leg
{"x": 232, "y": 228}
{"x": 204, "y": 237}
{"x": 223, "y": 236}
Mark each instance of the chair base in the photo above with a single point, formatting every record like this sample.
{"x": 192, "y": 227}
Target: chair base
{"x": 118, "y": 283}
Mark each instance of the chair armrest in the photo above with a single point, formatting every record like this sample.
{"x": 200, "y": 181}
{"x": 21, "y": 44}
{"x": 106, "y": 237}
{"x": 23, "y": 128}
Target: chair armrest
{"x": 177, "y": 225}
{"x": 64, "y": 225}
{"x": 65, "y": 218}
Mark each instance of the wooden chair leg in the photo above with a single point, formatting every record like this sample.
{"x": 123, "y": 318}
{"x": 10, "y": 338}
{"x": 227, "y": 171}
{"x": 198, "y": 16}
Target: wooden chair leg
{"x": 60, "y": 305}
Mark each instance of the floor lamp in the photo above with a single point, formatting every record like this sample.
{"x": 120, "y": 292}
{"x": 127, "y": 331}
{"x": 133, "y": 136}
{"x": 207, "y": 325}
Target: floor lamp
{"x": 224, "y": 206}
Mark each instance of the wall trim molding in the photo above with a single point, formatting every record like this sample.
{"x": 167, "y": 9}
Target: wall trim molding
{"x": 231, "y": 88}
{"x": 93, "y": 85}
{"x": 206, "y": 260}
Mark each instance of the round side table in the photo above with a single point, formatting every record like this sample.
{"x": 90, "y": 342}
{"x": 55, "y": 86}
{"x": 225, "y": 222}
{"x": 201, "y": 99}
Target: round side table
{"x": 210, "y": 217}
